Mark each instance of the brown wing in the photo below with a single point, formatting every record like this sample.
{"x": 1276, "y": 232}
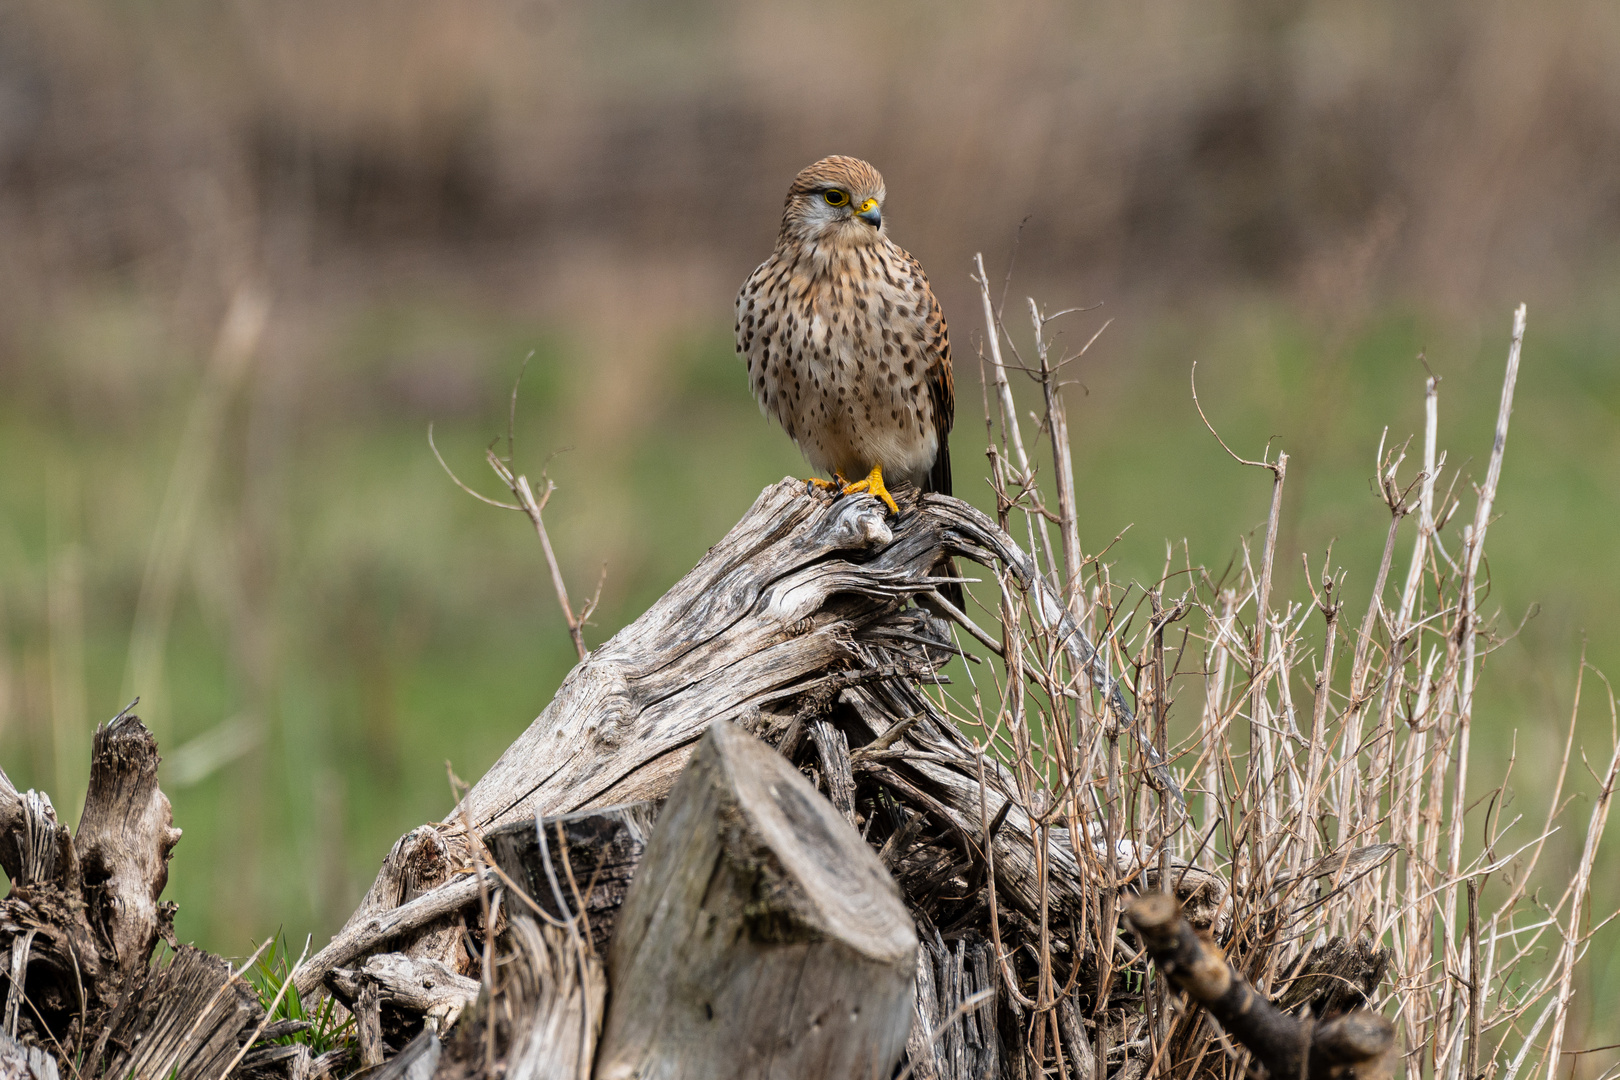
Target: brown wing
{"x": 942, "y": 395}
{"x": 941, "y": 385}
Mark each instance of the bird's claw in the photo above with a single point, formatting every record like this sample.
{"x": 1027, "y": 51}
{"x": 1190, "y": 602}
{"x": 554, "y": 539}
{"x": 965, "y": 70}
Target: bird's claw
{"x": 872, "y": 485}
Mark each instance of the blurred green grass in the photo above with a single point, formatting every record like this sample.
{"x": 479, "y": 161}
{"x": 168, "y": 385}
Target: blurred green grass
{"x": 367, "y": 623}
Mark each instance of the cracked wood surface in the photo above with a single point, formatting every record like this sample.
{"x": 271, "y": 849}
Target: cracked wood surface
{"x": 747, "y": 627}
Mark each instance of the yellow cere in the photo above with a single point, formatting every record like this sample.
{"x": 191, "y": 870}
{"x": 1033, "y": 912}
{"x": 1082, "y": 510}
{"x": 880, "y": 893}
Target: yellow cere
{"x": 867, "y": 205}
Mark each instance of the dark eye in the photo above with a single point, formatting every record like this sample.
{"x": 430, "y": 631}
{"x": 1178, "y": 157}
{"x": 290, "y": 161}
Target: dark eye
{"x": 835, "y": 197}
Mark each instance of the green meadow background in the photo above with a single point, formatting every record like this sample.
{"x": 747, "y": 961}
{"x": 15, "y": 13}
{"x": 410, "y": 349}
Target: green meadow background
{"x": 1301, "y": 198}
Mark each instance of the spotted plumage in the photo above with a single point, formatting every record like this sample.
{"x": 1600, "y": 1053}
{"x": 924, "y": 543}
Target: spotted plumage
{"x": 846, "y": 345}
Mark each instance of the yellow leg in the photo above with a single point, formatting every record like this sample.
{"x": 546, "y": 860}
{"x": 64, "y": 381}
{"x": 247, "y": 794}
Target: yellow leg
{"x": 873, "y": 484}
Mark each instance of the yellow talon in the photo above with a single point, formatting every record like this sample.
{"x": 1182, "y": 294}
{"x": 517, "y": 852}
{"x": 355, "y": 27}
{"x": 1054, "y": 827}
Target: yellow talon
{"x": 873, "y": 485}
{"x": 837, "y": 485}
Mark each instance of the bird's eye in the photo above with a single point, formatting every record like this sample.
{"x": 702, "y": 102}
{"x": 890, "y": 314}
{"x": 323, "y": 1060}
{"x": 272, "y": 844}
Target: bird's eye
{"x": 835, "y": 197}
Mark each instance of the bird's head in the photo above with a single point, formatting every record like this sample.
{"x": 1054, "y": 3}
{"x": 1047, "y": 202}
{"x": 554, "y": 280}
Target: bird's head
{"x": 837, "y": 200}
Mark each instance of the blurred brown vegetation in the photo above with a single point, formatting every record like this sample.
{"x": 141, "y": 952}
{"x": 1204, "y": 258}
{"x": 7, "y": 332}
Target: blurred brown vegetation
{"x": 1448, "y": 152}
{"x": 425, "y": 189}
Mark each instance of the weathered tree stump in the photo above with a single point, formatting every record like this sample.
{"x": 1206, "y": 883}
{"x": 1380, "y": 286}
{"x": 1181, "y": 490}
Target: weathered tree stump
{"x": 83, "y": 914}
{"x": 761, "y": 936}
{"x": 805, "y": 603}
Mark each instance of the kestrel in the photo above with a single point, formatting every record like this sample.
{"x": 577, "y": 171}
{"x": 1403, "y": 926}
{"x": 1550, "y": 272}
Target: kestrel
{"x": 845, "y": 343}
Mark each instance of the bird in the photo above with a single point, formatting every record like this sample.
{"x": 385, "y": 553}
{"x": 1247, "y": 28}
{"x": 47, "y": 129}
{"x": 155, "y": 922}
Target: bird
{"x": 846, "y": 344}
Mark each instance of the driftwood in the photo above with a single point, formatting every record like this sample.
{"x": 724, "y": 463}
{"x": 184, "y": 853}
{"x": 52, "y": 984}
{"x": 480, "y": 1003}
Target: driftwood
{"x": 410, "y": 984}
{"x": 802, "y": 608}
{"x": 1356, "y": 1044}
{"x": 761, "y": 936}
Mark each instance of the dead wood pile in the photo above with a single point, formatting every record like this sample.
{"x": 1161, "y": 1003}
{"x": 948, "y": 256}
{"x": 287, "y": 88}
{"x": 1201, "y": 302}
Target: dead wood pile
{"x": 797, "y": 628}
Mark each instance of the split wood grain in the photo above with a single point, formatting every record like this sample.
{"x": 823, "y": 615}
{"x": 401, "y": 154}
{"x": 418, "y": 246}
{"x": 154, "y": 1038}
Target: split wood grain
{"x": 761, "y": 938}
{"x": 545, "y": 1015}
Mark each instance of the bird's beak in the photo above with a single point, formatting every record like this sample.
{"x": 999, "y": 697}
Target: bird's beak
{"x": 870, "y": 213}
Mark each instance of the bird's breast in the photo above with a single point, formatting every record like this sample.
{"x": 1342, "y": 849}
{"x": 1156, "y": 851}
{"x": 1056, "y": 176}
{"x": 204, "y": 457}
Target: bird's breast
{"x": 835, "y": 350}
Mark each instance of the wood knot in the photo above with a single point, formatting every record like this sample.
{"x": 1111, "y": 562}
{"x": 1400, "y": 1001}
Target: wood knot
{"x": 615, "y": 721}
{"x": 859, "y": 523}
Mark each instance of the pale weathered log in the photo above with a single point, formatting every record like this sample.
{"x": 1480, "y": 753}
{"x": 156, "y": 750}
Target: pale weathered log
{"x": 761, "y": 936}
{"x": 762, "y": 620}
{"x": 362, "y": 937}
{"x": 746, "y": 628}
{"x": 585, "y": 867}
{"x": 802, "y": 590}
{"x": 802, "y": 616}
{"x": 409, "y": 983}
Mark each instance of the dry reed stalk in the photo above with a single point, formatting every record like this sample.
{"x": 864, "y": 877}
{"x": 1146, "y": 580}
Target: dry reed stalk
{"x": 1344, "y": 830}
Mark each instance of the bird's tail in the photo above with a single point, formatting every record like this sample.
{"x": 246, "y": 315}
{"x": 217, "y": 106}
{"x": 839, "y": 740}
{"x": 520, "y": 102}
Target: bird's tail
{"x": 939, "y": 482}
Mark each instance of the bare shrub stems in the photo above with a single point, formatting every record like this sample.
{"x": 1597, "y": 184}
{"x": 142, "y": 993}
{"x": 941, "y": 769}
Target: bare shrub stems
{"x": 1341, "y": 824}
